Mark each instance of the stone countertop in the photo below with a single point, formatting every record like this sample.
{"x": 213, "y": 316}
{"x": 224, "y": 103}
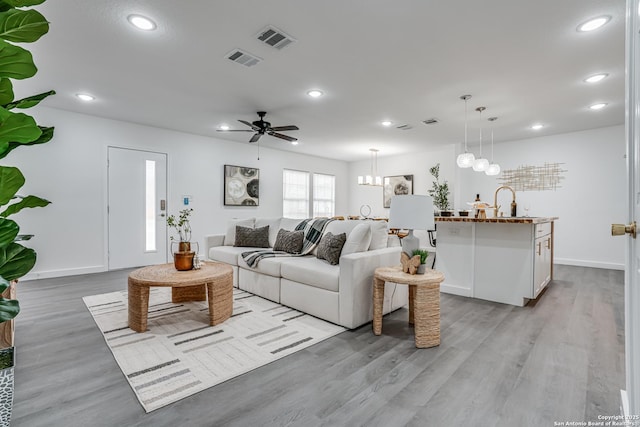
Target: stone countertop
{"x": 506, "y": 219}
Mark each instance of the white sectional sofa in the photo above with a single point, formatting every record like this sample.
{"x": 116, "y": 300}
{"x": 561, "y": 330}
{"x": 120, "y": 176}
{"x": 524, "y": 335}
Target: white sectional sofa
{"x": 340, "y": 294}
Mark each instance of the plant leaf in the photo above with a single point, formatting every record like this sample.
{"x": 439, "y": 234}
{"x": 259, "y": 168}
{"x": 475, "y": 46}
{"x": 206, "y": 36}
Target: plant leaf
{"x": 26, "y": 202}
{"x": 17, "y": 127}
{"x": 22, "y": 26}
{"x": 27, "y": 102}
{"x": 11, "y": 180}
{"x": 16, "y": 261}
{"x": 15, "y": 62}
{"x": 23, "y": 3}
{"x": 7, "y": 147}
{"x": 9, "y": 308}
{"x": 8, "y": 232}
{"x": 6, "y": 91}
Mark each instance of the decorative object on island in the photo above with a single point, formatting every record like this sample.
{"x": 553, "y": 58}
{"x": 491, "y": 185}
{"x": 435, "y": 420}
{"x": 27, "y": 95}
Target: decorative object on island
{"x": 493, "y": 168}
{"x": 480, "y": 164}
{"x": 241, "y": 186}
{"x": 183, "y": 257}
{"x": 423, "y": 254}
{"x": 411, "y": 212}
{"x": 534, "y": 178}
{"x": 466, "y": 159}
{"x": 18, "y": 129}
{"x": 439, "y": 191}
{"x": 396, "y": 186}
{"x": 373, "y": 179}
{"x": 365, "y": 211}
{"x": 409, "y": 264}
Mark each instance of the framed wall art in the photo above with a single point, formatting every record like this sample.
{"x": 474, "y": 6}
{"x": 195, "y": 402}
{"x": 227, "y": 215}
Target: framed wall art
{"x": 396, "y": 185}
{"x": 241, "y": 186}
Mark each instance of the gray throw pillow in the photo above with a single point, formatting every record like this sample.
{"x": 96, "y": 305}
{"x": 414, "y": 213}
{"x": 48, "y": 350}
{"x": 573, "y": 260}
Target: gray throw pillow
{"x": 289, "y": 241}
{"x": 330, "y": 247}
{"x": 253, "y": 237}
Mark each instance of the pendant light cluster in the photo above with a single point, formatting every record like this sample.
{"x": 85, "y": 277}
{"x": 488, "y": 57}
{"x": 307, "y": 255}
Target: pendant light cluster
{"x": 469, "y": 160}
{"x": 373, "y": 179}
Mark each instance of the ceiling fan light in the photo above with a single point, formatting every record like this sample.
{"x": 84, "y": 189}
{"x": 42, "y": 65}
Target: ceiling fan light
{"x": 294, "y": 142}
{"x": 493, "y": 169}
{"x": 224, "y": 127}
{"x": 465, "y": 160}
{"x": 480, "y": 165}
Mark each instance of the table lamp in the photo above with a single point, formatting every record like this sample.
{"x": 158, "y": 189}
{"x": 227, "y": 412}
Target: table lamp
{"x": 411, "y": 212}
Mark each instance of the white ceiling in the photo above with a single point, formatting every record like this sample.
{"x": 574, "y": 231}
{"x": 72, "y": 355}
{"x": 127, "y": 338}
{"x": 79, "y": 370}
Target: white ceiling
{"x": 403, "y": 60}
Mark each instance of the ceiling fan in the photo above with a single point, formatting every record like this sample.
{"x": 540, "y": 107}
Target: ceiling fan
{"x": 260, "y": 127}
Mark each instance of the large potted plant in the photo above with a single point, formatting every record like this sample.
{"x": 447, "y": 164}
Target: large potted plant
{"x": 17, "y": 25}
{"x": 440, "y": 192}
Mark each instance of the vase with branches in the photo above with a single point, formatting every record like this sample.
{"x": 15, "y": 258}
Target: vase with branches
{"x": 182, "y": 227}
{"x": 439, "y": 190}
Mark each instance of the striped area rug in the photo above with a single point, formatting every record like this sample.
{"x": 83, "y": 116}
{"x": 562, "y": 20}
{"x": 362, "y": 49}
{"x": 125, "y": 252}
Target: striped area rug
{"x": 180, "y": 354}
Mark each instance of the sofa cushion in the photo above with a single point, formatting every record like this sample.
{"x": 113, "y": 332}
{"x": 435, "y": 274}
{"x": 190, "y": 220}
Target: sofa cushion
{"x": 274, "y": 226}
{"x": 254, "y": 237}
{"x": 268, "y": 266}
{"x": 358, "y": 240}
{"x": 379, "y": 235}
{"x": 289, "y": 241}
{"x": 338, "y": 227}
{"x": 227, "y": 254}
{"x": 312, "y": 271}
{"x": 330, "y": 247}
{"x": 230, "y": 237}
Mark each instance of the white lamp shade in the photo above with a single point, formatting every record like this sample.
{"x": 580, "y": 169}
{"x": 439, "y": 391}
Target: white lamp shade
{"x": 465, "y": 160}
{"x": 411, "y": 212}
{"x": 493, "y": 169}
{"x": 480, "y": 165}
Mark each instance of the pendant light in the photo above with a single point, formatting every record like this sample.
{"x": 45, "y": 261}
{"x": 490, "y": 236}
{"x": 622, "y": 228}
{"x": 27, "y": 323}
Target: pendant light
{"x": 373, "y": 179}
{"x": 466, "y": 159}
{"x": 494, "y": 168}
{"x": 480, "y": 164}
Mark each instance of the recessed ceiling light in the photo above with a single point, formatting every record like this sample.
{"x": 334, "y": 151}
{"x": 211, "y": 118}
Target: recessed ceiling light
{"x": 387, "y": 123}
{"x": 141, "y": 22}
{"x": 315, "y": 93}
{"x": 537, "y": 126}
{"x": 596, "y": 78}
{"x": 224, "y": 127}
{"x": 598, "y": 106}
{"x": 593, "y": 24}
{"x": 294, "y": 142}
{"x": 85, "y": 96}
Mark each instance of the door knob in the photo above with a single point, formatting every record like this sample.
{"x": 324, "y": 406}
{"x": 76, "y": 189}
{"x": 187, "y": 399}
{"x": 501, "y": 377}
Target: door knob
{"x": 621, "y": 229}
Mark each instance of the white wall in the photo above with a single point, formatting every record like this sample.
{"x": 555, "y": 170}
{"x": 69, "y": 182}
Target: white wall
{"x": 70, "y": 234}
{"x": 416, "y": 164}
{"x": 592, "y": 195}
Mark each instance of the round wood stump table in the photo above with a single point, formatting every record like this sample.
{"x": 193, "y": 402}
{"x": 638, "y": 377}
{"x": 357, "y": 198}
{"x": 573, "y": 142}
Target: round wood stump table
{"x": 213, "y": 281}
{"x": 424, "y": 302}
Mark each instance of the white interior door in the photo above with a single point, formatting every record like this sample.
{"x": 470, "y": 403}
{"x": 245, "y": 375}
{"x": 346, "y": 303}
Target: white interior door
{"x": 632, "y": 271}
{"x": 136, "y": 208}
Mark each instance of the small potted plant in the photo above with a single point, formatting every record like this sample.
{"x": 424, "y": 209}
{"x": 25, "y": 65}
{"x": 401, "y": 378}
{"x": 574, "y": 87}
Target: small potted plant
{"x": 183, "y": 257}
{"x": 440, "y": 192}
{"x": 422, "y": 268}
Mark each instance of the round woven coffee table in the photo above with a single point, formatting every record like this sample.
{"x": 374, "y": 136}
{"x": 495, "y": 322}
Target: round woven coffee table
{"x": 424, "y": 302}
{"x": 213, "y": 281}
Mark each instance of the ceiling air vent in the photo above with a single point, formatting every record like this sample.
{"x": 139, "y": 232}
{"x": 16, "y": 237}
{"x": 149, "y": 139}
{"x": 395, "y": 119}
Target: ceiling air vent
{"x": 243, "y": 58}
{"x": 404, "y": 127}
{"x": 431, "y": 121}
{"x": 275, "y": 37}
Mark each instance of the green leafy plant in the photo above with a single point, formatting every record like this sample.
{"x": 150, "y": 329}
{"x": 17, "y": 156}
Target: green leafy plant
{"x": 423, "y": 255}
{"x": 181, "y": 224}
{"x": 17, "y": 25}
{"x": 439, "y": 191}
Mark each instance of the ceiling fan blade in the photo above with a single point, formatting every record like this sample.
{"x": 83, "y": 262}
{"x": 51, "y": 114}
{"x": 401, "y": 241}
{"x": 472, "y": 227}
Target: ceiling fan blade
{"x": 255, "y": 137}
{"x": 234, "y": 130}
{"x": 281, "y": 136}
{"x": 251, "y": 125}
{"x": 281, "y": 128}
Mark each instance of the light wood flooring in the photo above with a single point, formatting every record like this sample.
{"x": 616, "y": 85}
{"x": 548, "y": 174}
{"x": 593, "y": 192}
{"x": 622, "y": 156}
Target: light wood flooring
{"x": 560, "y": 359}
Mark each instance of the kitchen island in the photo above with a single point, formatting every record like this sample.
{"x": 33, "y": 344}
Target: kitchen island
{"x": 507, "y": 260}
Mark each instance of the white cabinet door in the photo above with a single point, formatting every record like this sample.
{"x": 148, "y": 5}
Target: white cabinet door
{"x": 542, "y": 264}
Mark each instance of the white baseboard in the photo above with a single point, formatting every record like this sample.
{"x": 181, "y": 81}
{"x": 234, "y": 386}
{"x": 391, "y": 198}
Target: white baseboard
{"x": 625, "y": 403}
{"x": 455, "y": 290}
{"x": 593, "y": 264}
{"x": 35, "y": 275}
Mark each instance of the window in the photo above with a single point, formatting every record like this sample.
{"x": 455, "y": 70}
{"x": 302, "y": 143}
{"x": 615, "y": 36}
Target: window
{"x": 150, "y": 205}
{"x": 303, "y": 194}
{"x": 324, "y": 195}
{"x": 295, "y": 194}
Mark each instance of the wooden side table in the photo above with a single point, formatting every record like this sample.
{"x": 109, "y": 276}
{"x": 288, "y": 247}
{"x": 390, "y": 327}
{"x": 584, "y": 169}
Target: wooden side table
{"x": 424, "y": 302}
{"x": 213, "y": 281}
